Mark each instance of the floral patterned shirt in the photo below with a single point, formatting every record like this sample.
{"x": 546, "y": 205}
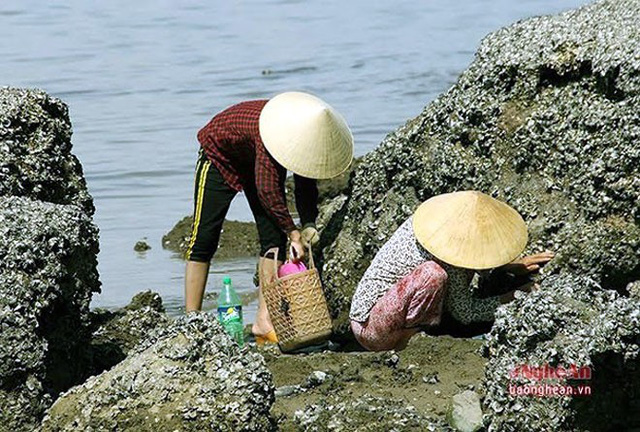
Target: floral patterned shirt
{"x": 398, "y": 257}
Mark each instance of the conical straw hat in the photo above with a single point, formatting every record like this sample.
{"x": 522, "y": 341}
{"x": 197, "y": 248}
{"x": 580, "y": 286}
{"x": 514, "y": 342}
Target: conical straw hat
{"x": 470, "y": 229}
{"x": 306, "y": 135}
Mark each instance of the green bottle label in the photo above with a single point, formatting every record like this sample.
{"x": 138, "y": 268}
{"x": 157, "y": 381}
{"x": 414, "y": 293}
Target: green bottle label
{"x": 229, "y": 314}
{"x": 231, "y": 319}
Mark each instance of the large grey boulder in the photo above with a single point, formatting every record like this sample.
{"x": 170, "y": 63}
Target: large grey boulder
{"x": 35, "y": 150}
{"x": 48, "y": 248}
{"x": 546, "y": 118}
{"x": 115, "y": 333}
{"x": 189, "y": 376}
{"x": 571, "y": 322}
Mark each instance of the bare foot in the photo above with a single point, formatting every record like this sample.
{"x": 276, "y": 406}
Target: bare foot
{"x": 262, "y": 324}
{"x": 261, "y": 329}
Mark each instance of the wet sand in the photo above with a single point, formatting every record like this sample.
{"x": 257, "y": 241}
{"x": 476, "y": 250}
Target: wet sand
{"x": 425, "y": 375}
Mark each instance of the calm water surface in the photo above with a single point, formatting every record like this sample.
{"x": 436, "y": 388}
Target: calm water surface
{"x": 141, "y": 77}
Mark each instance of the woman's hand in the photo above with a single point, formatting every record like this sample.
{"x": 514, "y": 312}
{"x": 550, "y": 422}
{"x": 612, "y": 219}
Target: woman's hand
{"x": 296, "y": 250}
{"x": 310, "y": 236}
{"x": 529, "y": 264}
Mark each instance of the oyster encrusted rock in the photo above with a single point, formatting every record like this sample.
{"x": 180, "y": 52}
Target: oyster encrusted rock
{"x": 547, "y": 119}
{"x": 189, "y": 376}
{"x": 115, "y": 333}
{"x": 570, "y": 322}
{"x": 35, "y": 150}
{"x": 366, "y": 413}
{"x": 48, "y": 248}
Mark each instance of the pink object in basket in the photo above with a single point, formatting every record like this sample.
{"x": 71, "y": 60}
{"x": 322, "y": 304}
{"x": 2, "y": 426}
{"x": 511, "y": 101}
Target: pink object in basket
{"x": 290, "y": 268}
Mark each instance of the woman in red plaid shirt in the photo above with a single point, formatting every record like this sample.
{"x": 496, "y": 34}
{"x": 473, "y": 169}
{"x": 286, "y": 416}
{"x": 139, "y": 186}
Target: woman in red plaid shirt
{"x": 249, "y": 147}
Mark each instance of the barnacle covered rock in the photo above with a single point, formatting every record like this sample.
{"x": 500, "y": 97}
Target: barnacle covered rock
{"x": 48, "y": 248}
{"x": 189, "y": 376}
{"x": 115, "y": 333}
{"x": 47, "y": 276}
{"x": 570, "y": 323}
{"x": 35, "y": 149}
{"x": 546, "y": 118}
{"x": 146, "y": 299}
{"x": 365, "y": 414}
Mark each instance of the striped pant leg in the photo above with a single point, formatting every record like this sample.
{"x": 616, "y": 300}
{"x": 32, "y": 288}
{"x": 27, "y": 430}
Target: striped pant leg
{"x": 212, "y": 198}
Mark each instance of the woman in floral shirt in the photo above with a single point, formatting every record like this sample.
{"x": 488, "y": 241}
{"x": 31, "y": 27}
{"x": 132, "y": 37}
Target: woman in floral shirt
{"x": 428, "y": 264}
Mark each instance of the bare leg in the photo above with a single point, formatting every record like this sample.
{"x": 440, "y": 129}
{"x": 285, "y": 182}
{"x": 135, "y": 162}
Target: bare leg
{"x": 195, "y": 280}
{"x": 263, "y": 324}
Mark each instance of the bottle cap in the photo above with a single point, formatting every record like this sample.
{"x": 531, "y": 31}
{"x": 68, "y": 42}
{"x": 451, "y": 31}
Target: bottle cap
{"x": 226, "y": 280}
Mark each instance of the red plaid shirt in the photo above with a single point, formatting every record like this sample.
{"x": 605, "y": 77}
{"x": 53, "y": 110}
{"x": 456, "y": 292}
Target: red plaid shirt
{"x": 231, "y": 141}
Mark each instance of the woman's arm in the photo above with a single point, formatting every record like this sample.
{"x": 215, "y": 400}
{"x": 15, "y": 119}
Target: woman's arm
{"x": 269, "y": 178}
{"x": 306, "y": 194}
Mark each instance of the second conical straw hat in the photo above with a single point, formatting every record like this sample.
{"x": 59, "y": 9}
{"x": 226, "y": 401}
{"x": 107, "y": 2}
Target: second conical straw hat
{"x": 470, "y": 229}
{"x": 306, "y": 135}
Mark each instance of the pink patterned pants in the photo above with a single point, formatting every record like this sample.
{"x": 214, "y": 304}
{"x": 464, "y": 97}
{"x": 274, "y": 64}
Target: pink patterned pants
{"x": 415, "y": 300}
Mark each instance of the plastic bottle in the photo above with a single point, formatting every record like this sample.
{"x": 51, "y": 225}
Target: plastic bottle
{"x": 230, "y": 311}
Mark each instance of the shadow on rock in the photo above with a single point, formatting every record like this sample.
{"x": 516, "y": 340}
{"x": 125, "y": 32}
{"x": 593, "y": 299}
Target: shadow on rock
{"x": 116, "y": 333}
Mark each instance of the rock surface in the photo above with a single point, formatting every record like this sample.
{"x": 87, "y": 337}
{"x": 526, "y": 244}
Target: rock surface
{"x": 35, "y": 150}
{"x": 365, "y": 414}
{"x": 189, "y": 376}
{"x": 546, "y": 118}
{"x": 465, "y": 414}
{"x": 116, "y": 333}
{"x": 141, "y": 246}
{"x": 571, "y": 321}
{"x": 48, "y": 248}
{"x": 146, "y": 299}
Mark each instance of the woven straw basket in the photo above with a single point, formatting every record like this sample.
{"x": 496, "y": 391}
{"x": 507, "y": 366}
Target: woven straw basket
{"x": 297, "y": 307}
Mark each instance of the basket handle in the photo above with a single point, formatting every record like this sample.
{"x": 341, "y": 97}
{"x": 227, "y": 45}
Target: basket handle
{"x": 312, "y": 264}
{"x": 275, "y": 261}
{"x": 275, "y": 250}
